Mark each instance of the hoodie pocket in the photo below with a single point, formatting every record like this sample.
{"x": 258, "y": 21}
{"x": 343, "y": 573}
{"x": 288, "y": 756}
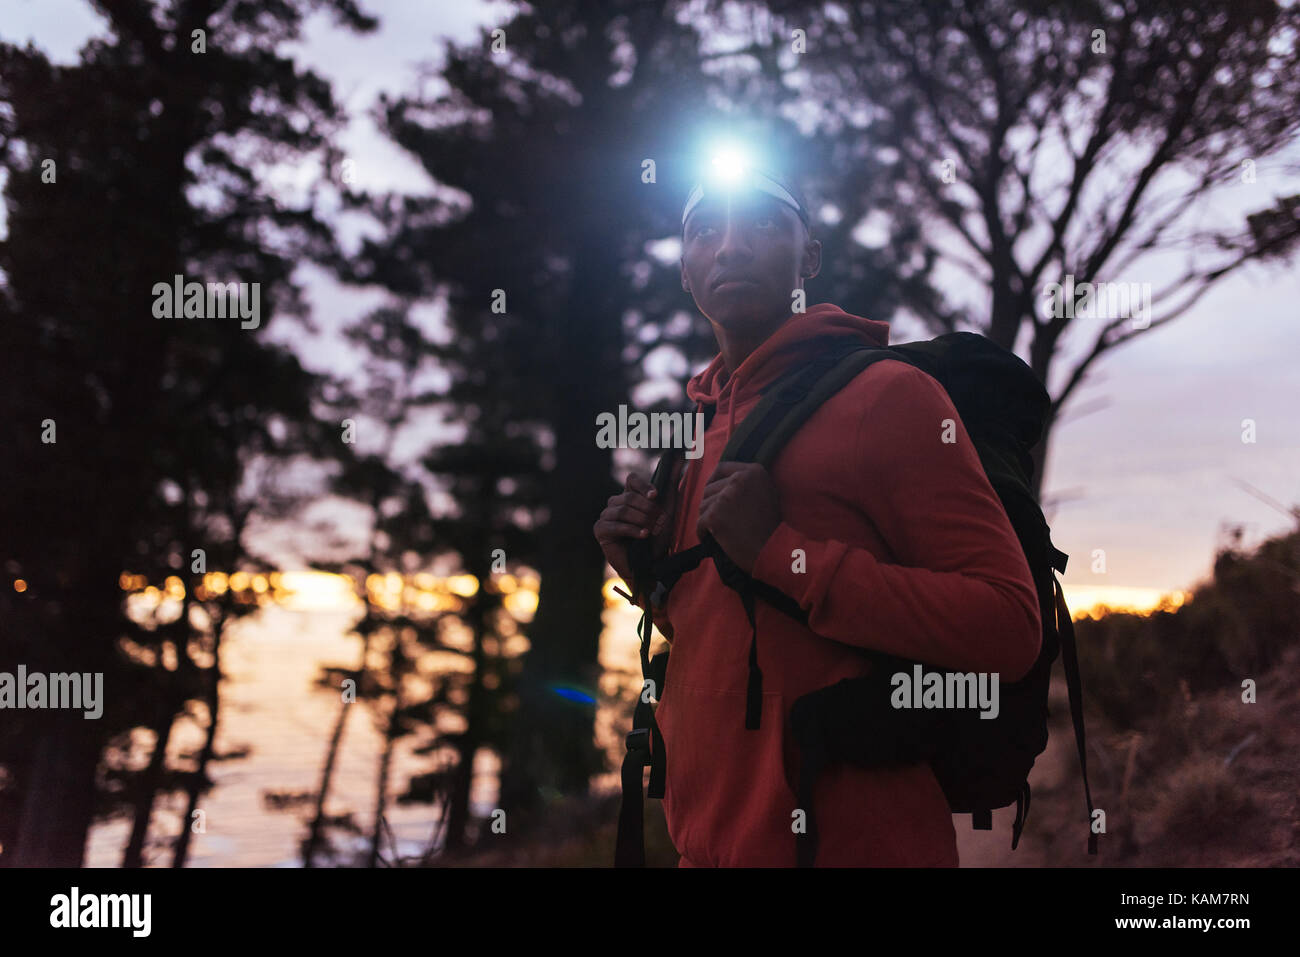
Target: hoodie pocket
{"x": 728, "y": 800}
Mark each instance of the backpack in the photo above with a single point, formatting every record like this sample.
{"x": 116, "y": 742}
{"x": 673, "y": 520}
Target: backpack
{"x": 980, "y": 764}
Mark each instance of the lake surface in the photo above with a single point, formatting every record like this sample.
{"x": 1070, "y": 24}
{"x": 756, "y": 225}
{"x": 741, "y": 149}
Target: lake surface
{"x": 271, "y": 707}
{"x": 273, "y": 712}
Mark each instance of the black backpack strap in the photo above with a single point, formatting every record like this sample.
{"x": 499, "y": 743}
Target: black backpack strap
{"x": 640, "y": 551}
{"x": 743, "y": 585}
{"x": 764, "y": 431}
{"x": 792, "y": 400}
{"x": 655, "y": 578}
{"x": 667, "y": 570}
{"x": 782, "y": 410}
{"x": 1070, "y": 659}
{"x": 645, "y": 743}
{"x": 1022, "y": 815}
{"x": 645, "y": 746}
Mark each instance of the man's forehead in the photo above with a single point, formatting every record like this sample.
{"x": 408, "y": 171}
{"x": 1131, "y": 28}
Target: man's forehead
{"x": 752, "y": 201}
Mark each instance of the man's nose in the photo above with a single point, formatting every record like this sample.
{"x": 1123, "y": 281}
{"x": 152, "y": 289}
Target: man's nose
{"x": 735, "y": 242}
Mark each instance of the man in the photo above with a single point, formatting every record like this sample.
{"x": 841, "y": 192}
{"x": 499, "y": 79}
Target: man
{"x": 888, "y": 536}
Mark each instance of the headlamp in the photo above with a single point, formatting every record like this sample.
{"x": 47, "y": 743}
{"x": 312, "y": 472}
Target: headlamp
{"x": 730, "y": 173}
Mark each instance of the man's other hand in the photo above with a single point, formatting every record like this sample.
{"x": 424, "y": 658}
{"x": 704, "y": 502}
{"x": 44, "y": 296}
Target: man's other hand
{"x": 634, "y": 513}
{"x": 740, "y": 507}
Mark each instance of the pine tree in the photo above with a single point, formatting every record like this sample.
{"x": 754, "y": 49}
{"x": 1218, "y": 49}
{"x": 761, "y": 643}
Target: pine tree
{"x": 161, "y": 423}
{"x": 574, "y": 133}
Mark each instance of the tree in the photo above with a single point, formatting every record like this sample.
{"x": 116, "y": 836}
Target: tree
{"x": 397, "y": 535}
{"x": 573, "y": 135}
{"x": 1046, "y": 140}
{"x": 154, "y": 142}
{"x": 486, "y": 484}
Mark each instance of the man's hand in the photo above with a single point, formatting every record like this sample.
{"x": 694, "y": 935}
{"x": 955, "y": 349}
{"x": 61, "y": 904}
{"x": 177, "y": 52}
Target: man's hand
{"x": 740, "y": 507}
{"x": 634, "y": 513}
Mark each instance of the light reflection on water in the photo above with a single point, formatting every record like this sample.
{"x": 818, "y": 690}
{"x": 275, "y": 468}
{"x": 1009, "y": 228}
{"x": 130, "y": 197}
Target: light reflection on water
{"x": 271, "y": 707}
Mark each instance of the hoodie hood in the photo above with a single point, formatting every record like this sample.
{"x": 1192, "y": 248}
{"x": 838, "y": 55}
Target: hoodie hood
{"x": 801, "y": 337}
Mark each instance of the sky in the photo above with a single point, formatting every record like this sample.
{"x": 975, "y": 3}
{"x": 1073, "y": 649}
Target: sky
{"x": 1147, "y": 478}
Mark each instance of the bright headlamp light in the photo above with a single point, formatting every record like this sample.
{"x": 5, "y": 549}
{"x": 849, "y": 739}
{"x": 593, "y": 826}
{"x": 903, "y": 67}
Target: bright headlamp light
{"x": 731, "y": 172}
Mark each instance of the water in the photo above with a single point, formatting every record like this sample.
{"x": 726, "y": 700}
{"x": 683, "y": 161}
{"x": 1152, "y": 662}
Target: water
{"x": 271, "y": 708}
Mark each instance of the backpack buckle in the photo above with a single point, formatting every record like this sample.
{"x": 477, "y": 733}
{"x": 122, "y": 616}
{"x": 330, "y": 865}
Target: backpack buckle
{"x": 1057, "y": 558}
{"x": 639, "y": 740}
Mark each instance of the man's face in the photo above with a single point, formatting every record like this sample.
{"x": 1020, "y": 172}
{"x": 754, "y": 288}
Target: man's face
{"x": 743, "y": 255}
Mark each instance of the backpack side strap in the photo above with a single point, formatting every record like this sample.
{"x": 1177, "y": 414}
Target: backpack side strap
{"x": 1070, "y": 659}
{"x": 645, "y": 746}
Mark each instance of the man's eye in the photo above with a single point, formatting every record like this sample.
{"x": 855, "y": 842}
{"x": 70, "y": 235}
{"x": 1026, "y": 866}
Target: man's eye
{"x": 701, "y": 230}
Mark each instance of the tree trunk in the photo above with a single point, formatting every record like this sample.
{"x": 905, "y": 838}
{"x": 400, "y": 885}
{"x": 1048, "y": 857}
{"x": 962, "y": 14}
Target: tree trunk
{"x": 196, "y": 786}
{"x": 385, "y": 760}
{"x": 133, "y": 856}
{"x": 461, "y": 791}
{"x": 458, "y": 802}
{"x": 59, "y": 808}
{"x": 331, "y": 756}
{"x": 59, "y": 799}
{"x": 553, "y": 750}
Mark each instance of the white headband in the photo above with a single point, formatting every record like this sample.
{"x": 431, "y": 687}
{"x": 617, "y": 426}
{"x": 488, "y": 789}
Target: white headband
{"x": 754, "y": 179}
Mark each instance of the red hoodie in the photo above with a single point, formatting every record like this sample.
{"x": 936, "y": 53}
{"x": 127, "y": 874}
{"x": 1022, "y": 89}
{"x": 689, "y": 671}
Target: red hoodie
{"x": 907, "y": 550}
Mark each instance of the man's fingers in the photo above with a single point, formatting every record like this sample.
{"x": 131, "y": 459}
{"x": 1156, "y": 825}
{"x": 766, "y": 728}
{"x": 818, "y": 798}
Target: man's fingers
{"x": 723, "y": 477}
{"x": 642, "y": 513}
{"x": 715, "y": 488}
{"x": 703, "y": 523}
{"x": 610, "y": 530}
{"x": 636, "y": 483}
{"x": 725, "y": 469}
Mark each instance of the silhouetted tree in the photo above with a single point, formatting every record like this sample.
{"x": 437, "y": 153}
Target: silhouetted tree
{"x": 155, "y": 137}
{"x": 555, "y": 257}
{"x": 1041, "y": 140}
{"x": 486, "y": 480}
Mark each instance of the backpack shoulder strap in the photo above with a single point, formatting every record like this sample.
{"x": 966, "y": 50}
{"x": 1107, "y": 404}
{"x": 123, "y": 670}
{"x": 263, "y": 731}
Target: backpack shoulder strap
{"x": 792, "y": 401}
{"x": 786, "y": 404}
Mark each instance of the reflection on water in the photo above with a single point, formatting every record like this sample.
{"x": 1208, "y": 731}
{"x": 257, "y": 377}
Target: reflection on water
{"x": 279, "y": 722}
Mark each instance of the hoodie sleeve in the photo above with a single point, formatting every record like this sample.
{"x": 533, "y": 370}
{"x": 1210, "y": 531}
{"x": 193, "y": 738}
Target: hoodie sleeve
{"x": 961, "y": 595}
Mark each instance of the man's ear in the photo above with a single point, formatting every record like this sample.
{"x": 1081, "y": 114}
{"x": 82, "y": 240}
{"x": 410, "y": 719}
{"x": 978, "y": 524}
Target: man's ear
{"x": 812, "y": 259}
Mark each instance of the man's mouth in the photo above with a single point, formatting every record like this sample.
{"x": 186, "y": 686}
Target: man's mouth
{"x": 733, "y": 282}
